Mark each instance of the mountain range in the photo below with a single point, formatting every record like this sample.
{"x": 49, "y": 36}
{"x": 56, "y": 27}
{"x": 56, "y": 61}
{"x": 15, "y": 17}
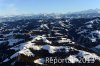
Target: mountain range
{"x": 29, "y": 40}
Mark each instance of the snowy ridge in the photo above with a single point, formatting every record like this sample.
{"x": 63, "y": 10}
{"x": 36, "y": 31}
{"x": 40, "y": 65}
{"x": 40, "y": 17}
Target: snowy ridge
{"x": 31, "y": 41}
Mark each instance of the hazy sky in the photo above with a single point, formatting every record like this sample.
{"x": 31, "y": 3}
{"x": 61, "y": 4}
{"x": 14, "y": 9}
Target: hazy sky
{"x": 14, "y": 7}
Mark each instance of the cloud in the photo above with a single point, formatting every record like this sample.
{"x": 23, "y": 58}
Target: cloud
{"x": 10, "y": 9}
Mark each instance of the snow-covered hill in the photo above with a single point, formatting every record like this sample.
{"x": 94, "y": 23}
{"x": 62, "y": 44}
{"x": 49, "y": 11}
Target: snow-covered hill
{"x": 30, "y": 41}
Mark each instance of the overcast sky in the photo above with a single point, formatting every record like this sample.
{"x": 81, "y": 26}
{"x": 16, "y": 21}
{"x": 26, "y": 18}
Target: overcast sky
{"x": 15, "y": 7}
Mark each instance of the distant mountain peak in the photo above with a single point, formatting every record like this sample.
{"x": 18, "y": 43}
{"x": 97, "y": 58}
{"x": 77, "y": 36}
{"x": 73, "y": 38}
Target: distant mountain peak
{"x": 89, "y": 11}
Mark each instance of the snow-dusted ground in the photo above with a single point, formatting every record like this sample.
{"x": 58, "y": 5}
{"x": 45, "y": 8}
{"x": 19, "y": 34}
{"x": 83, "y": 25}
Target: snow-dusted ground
{"x": 47, "y": 43}
{"x": 51, "y": 49}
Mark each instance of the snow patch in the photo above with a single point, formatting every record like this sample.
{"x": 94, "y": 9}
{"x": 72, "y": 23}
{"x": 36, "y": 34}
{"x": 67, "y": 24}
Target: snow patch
{"x": 97, "y": 47}
{"x": 39, "y": 61}
{"x": 26, "y": 52}
{"x": 72, "y": 59}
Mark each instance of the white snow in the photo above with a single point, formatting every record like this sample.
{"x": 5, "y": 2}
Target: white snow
{"x": 6, "y": 60}
{"x": 12, "y": 41}
{"x": 26, "y": 52}
{"x": 44, "y": 25}
{"x": 61, "y": 23}
{"x": 87, "y": 55}
{"x": 64, "y": 40}
{"x": 39, "y": 61}
{"x": 97, "y": 47}
{"x": 53, "y": 49}
{"x": 13, "y": 56}
{"x": 83, "y": 31}
{"x": 93, "y": 39}
{"x": 97, "y": 31}
{"x": 1, "y": 42}
{"x": 18, "y": 47}
{"x": 58, "y": 33}
{"x": 7, "y": 35}
{"x": 43, "y": 38}
{"x": 72, "y": 59}
{"x": 40, "y": 21}
{"x": 89, "y": 26}
{"x": 31, "y": 45}
{"x": 92, "y": 21}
